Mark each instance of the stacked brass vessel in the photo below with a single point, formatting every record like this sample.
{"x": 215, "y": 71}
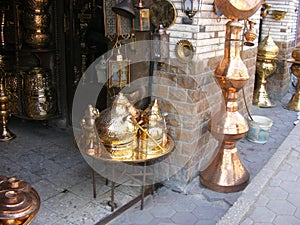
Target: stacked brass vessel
{"x": 265, "y": 66}
{"x": 5, "y": 133}
{"x": 294, "y": 103}
{"x": 39, "y": 96}
{"x": 122, "y": 130}
{"x": 19, "y": 203}
{"x": 226, "y": 172}
{"x": 37, "y": 22}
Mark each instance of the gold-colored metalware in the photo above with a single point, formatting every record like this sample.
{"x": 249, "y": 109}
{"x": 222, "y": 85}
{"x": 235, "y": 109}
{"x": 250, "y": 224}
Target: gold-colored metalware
{"x": 39, "y": 38}
{"x": 226, "y": 172}
{"x": 278, "y": 14}
{"x": 6, "y": 134}
{"x": 37, "y": 4}
{"x": 37, "y": 19}
{"x": 142, "y": 18}
{"x": 39, "y": 96}
{"x": 19, "y": 203}
{"x": 184, "y": 50}
{"x": 116, "y": 130}
{"x": 294, "y": 103}
{"x": 265, "y": 66}
{"x": 152, "y": 133}
{"x": 89, "y": 140}
{"x": 163, "y": 12}
{"x": 265, "y": 10}
{"x": 250, "y": 35}
{"x": 238, "y": 9}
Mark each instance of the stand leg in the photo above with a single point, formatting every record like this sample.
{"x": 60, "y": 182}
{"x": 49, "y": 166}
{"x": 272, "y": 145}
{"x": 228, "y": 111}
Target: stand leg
{"x": 94, "y": 184}
{"x": 143, "y": 186}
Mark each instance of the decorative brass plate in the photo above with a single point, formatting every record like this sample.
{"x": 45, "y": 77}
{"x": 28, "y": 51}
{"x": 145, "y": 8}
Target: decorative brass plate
{"x": 184, "y": 50}
{"x": 163, "y": 12}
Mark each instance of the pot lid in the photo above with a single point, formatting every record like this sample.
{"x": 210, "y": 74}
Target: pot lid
{"x": 267, "y": 48}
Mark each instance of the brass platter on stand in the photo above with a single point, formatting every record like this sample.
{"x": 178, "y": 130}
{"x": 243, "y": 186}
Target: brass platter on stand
{"x": 163, "y": 12}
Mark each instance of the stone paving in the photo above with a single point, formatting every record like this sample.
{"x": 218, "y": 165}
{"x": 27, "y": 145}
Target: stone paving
{"x": 46, "y": 158}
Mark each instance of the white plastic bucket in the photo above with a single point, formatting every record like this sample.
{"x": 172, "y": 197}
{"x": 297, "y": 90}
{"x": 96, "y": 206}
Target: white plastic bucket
{"x": 259, "y": 129}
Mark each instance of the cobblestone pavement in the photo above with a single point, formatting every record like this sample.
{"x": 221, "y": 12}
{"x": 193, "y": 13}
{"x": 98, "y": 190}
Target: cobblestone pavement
{"x": 202, "y": 206}
{"x": 46, "y": 158}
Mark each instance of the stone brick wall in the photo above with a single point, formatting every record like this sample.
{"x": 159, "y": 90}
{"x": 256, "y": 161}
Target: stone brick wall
{"x": 189, "y": 93}
{"x": 284, "y": 33}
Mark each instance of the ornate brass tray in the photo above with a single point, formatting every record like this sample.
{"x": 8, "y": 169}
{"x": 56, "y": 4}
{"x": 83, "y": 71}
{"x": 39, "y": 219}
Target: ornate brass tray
{"x": 184, "y": 50}
{"x": 137, "y": 155}
{"x": 163, "y": 12}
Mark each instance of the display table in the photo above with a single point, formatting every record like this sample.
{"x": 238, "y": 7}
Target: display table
{"x": 139, "y": 158}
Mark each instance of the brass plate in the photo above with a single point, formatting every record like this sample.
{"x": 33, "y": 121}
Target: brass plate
{"x": 137, "y": 155}
{"x": 184, "y": 50}
{"x": 163, "y": 12}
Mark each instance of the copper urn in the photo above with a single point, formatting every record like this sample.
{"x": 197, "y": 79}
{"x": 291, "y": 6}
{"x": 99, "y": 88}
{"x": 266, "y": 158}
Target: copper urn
{"x": 226, "y": 173}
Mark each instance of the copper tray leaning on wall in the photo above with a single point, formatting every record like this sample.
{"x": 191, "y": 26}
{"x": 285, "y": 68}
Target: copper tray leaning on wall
{"x": 238, "y": 9}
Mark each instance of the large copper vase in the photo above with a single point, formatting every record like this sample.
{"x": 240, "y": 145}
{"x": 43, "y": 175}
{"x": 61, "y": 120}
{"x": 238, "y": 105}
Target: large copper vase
{"x": 226, "y": 173}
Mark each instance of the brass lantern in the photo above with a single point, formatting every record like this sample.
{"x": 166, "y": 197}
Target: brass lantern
{"x": 190, "y": 8}
{"x": 142, "y": 18}
{"x": 160, "y": 44}
{"x": 118, "y": 72}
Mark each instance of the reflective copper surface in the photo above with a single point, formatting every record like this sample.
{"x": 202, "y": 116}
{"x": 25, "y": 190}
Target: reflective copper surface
{"x": 19, "y": 202}
{"x": 238, "y": 9}
{"x": 6, "y": 134}
{"x": 265, "y": 66}
{"x": 226, "y": 173}
{"x": 250, "y": 35}
{"x": 37, "y": 19}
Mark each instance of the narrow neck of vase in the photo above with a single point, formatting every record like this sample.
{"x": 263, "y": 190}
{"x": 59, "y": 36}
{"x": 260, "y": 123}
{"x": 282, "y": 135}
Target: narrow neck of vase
{"x": 231, "y": 97}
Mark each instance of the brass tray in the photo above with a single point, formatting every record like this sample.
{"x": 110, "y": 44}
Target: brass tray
{"x": 137, "y": 155}
{"x": 184, "y": 50}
